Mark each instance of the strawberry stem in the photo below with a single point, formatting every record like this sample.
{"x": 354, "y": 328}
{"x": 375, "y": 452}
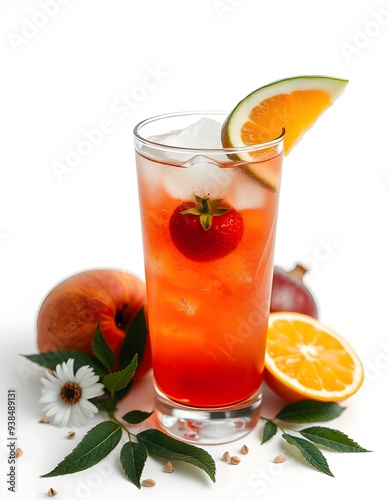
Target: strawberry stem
{"x": 205, "y": 209}
{"x": 205, "y": 204}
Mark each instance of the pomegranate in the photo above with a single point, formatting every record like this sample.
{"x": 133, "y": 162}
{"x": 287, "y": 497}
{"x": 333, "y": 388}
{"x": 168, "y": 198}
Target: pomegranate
{"x": 289, "y": 292}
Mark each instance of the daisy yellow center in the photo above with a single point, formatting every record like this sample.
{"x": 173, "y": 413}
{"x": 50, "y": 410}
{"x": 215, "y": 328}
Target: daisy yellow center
{"x": 71, "y": 393}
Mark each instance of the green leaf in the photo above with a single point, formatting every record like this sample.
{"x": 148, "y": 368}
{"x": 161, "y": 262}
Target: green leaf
{"x": 135, "y": 340}
{"x": 94, "y": 446}
{"x": 108, "y": 401}
{"x": 52, "y": 358}
{"x": 133, "y": 457}
{"x": 333, "y": 439}
{"x": 307, "y": 411}
{"x": 102, "y": 349}
{"x": 163, "y": 446}
{"x": 105, "y": 403}
{"x": 119, "y": 380}
{"x": 136, "y": 416}
{"x": 309, "y": 451}
{"x": 269, "y": 430}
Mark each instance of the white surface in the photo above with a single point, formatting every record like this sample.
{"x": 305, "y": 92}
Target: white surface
{"x": 72, "y": 75}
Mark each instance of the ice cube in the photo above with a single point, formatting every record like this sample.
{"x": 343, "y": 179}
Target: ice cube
{"x": 199, "y": 176}
{"x": 245, "y": 192}
{"x": 196, "y": 174}
{"x": 204, "y": 134}
{"x": 186, "y": 306}
{"x": 150, "y": 173}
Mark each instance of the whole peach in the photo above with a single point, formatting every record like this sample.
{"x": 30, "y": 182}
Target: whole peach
{"x": 72, "y": 310}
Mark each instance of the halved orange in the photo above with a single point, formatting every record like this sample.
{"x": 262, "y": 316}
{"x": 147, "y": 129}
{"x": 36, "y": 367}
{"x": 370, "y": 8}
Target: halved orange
{"x": 308, "y": 360}
{"x": 292, "y": 104}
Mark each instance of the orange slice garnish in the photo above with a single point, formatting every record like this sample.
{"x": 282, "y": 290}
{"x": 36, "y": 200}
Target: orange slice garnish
{"x": 292, "y": 104}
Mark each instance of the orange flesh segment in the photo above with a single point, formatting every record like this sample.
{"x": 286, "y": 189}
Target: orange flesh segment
{"x": 310, "y": 356}
{"x": 281, "y": 111}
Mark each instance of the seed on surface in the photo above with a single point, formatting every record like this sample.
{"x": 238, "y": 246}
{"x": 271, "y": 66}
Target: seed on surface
{"x": 52, "y": 492}
{"x": 168, "y": 467}
{"x": 18, "y": 452}
{"x": 235, "y": 460}
{"x": 148, "y": 482}
{"x": 244, "y": 450}
{"x": 44, "y": 420}
{"x": 279, "y": 459}
{"x": 71, "y": 435}
{"x": 226, "y": 456}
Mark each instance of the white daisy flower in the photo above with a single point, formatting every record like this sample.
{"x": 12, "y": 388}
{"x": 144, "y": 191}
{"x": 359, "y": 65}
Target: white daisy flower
{"x": 67, "y": 394}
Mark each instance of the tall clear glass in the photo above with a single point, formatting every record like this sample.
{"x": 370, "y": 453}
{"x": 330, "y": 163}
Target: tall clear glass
{"x": 207, "y": 304}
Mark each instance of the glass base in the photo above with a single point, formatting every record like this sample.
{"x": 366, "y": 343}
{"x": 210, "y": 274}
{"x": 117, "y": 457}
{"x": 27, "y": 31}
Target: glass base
{"x": 208, "y": 425}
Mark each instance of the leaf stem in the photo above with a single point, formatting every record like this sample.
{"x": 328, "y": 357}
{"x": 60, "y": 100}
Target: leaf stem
{"x": 124, "y": 428}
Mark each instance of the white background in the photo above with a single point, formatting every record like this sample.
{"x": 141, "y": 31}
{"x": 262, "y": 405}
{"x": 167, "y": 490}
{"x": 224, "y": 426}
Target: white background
{"x": 66, "y": 73}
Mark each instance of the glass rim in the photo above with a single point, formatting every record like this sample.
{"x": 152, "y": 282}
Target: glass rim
{"x": 221, "y": 150}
